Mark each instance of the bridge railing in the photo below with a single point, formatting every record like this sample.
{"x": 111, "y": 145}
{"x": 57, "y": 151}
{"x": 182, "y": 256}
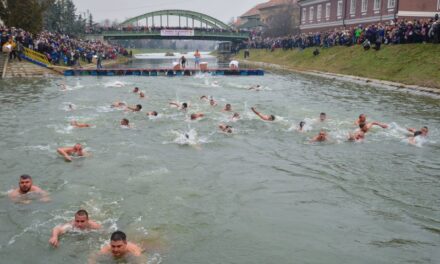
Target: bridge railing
{"x": 197, "y": 33}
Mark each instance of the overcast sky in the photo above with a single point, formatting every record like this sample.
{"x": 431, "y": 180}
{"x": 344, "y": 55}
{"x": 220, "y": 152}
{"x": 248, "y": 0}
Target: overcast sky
{"x": 123, "y": 9}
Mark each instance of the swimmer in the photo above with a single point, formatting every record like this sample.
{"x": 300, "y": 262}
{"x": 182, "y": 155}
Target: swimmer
{"x": 142, "y": 95}
{"x": 365, "y": 127}
{"x": 183, "y": 106}
{"x": 63, "y": 86}
{"x": 228, "y": 108}
{"x": 196, "y": 116}
{"x": 356, "y": 136}
{"x": 125, "y": 122}
{"x": 301, "y": 126}
{"x": 362, "y": 119}
{"x": 136, "y": 90}
{"x": 26, "y": 187}
{"x": 256, "y": 88}
{"x": 225, "y": 128}
{"x": 212, "y": 102}
{"x": 153, "y": 113}
{"x": 136, "y": 108}
{"x": 423, "y": 132}
{"x": 67, "y": 152}
{"x": 81, "y": 222}
{"x": 321, "y": 137}
{"x": 235, "y": 117}
{"x": 71, "y": 107}
{"x": 263, "y": 117}
{"x": 119, "y": 104}
{"x": 79, "y": 125}
{"x": 204, "y": 97}
{"x": 322, "y": 117}
{"x": 119, "y": 249}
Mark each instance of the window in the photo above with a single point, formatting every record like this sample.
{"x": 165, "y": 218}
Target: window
{"x": 376, "y": 5}
{"x": 319, "y": 13}
{"x": 304, "y": 15}
{"x": 364, "y": 6}
{"x": 438, "y": 5}
{"x": 312, "y": 13}
{"x": 327, "y": 10}
{"x": 339, "y": 8}
{"x": 352, "y": 6}
{"x": 391, "y": 3}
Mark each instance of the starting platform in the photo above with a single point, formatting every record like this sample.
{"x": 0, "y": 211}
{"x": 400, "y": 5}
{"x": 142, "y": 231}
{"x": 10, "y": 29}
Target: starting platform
{"x": 163, "y": 72}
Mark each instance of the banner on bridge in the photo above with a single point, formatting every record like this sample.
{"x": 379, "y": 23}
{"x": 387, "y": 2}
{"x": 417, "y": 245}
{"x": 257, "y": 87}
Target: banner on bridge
{"x": 177, "y": 32}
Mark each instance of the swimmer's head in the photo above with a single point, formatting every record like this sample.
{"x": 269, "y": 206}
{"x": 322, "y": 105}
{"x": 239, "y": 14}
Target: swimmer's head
{"x": 362, "y": 118}
{"x": 118, "y": 244}
{"x": 77, "y": 147}
{"x": 135, "y": 90}
{"x": 141, "y": 94}
{"x": 228, "y": 107}
{"x": 301, "y": 124}
{"x": 125, "y": 122}
{"x": 138, "y": 107}
{"x": 187, "y": 136}
{"x": 154, "y": 113}
{"x": 184, "y": 105}
{"x": 25, "y": 183}
{"x": 322, "y": 117}
{"x": 81, "y": 219}
{"x": 272, "y": 118}
{"x": 236, "y": 115}
{"x": 424, "y": 130}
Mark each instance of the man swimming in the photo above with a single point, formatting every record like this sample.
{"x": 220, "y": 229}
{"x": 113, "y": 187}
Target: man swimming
{"x": 142, "y": 95}
{"x": 228, "y": 108}
{"x": 356, "y": 136}
{"x": 322, "y": 117}
{"x": 256, "y": 88}
{"x": 80, "y": 222}
{"x": 301, "y": 126}
{"x": 79, "y": 125}
{"x": 183, "y": 106}
{"x": 263, "y": 117}
{"x": 119, "y": 104}
{"x": 125, "y": 122}
{"x": 212, "y": 102}
{"x": 136, "y": 90}
{"x": 362, "y": 119}
{"x": 119, "y": 249}
{"x": 26, "y": 187}
{"x": 235, "y": 117}
{"x": 225, "y": 128}
{"x": 153, "y": 113}
{"x": 196, "y": 116}
{"x": 68, "y": 152}
{"x": 321, "y": 137}
{"x": 136, "y": 108}
{"x": 365, "y": 127}
{"x": 423, "y": 132}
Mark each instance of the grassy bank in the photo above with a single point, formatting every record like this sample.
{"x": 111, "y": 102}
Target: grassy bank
{"x": 417, "y": 64}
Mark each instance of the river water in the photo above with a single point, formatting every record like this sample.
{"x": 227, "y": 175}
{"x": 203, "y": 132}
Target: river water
{"x": 261, "y": 195}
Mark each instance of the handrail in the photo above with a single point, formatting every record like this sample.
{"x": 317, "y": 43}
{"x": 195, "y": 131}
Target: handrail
{"x": 5, "y": 65}
{"x": 36, "y": 56}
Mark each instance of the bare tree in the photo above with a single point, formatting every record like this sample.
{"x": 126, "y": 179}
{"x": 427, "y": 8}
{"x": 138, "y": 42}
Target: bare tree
{"x": 283, "y": 22}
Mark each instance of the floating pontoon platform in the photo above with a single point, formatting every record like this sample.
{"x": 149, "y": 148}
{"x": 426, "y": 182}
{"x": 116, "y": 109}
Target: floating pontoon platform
{"x": 162, "y": 72}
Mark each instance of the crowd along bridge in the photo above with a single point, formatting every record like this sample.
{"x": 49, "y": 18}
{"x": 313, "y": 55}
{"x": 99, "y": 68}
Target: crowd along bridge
{"x": 172, "y": 24}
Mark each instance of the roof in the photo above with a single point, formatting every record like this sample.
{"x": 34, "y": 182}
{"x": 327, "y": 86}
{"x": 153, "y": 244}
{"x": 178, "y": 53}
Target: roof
{"x": 275, "y": 3}
{"x": 255, "y": 11}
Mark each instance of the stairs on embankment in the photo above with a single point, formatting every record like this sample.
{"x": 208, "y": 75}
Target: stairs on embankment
{"x": 26, "y": 69}
{"x": 3, "y": 59}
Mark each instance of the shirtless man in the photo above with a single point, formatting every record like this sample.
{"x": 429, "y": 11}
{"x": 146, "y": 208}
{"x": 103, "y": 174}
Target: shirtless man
{"x": 136, "y": 90}
{"x": 26, "y": 187}
{"x": 362, "y": 119}
{"x": 183, "y": 106}
{"x": 365, "y": 127}
{"x": 322, "y": 117}
{"x": 153, "y": 113}
{"x": 263, "y": 117}
{"x": 212, "y": 102}
{"x": 81, "y": 222}
{"x": 256, "y": 88}
{"x": 321, "y": 137}
{"x": 136, "y": 108}
{"x": 356, "y": 136}
{"x": 125, "y": 122}
{"x": 67, "y": 152}
{"x": 423, "y": 132}
{"x": 228, "y": 108}
{"x": 119, "y": 248}
{"x": 225, "y": 128}
{"x": 79, "y": 125}
{"x": 235, "y": 117}
{"x": 301, "y": 126}
{"x": 196, "y": 116}
{"x": 119, "y": 104}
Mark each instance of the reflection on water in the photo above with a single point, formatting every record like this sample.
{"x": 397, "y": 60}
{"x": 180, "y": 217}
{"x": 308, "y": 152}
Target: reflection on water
{"x": 189, "y": 193}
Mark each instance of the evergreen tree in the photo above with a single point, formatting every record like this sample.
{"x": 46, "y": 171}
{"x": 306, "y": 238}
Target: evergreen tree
{"x": 26, "y": 14}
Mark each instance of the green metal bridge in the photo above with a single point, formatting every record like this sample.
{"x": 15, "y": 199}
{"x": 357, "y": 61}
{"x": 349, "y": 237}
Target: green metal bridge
{"x": 174, "y": 24}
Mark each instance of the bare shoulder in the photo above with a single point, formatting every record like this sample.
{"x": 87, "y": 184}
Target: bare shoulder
{"x": 105, "y": 249}
{"x": 134, "y": 249}
{"x": 94, "y": 225}
{"x": 13, "y": 193}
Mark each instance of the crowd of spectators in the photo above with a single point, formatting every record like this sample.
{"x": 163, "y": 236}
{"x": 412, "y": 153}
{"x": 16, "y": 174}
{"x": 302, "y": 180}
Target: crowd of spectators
{"x": 394, "y": 32}
{"x": 60, "y": 49}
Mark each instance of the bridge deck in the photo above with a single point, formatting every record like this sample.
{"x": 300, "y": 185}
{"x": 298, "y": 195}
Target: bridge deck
{"x": 163, "y": 72}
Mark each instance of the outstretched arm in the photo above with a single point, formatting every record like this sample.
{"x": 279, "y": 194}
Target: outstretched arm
{"x": 56, "y": 232}
{"x": 382, "y": 125}
{"x": 63, "y": 153}
{"x": 258, "y": 113}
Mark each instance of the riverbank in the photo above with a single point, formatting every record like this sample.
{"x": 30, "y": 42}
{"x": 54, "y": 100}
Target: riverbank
{"x": 409, "y": 66}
